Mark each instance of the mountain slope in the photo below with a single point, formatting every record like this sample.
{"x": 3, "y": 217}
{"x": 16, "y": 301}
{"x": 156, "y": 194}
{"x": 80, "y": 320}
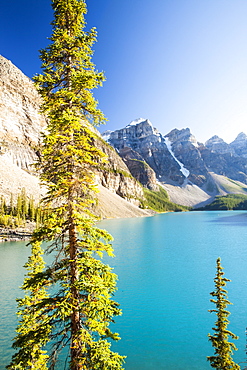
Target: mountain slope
{"x": 20, "y": 134}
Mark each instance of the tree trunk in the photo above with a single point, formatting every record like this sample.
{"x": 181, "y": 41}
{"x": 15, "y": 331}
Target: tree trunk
{"x": 75, "y": 349}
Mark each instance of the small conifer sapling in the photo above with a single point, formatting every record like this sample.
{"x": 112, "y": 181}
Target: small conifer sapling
{"x": 223, "y": 349}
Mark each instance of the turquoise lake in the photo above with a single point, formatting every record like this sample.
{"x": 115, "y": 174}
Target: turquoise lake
{"x": 166, "y": 266}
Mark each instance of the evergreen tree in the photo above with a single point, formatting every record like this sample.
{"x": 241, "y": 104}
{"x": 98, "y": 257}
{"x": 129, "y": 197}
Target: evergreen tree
{"x": 38, "y": 218}
{"x": 245, "y": 362}
{"x": 223, "y": 349}
{"x": 3, "y": 206}
{"x": 11, "y": 205}
{"x": 33, "y": 330}
{"x": 19, "y": 206}
{"x": 80, "y": 308}
{"x": 24, "y": 203}
{"x": 31, "y": 209}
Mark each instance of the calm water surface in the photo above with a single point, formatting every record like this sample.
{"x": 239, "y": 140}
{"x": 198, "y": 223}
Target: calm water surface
{"x": 166, "y": 265}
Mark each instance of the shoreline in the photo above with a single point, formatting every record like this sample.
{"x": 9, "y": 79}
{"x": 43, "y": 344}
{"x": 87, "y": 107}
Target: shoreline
{"x": 17, "y": 234}
{"x": 14, "y": 236}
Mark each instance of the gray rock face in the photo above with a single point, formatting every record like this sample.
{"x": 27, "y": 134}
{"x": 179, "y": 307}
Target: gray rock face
{"x": 226, "y": 164}
{"x": 20, "y": 127}
{"x": 135, "y": 136}
{"x": 20, "y": 120}
{"x": 186, "y": 149}
{"x": 116, "y": 176}
{"x": 174, "y": 158}
{"x": 139, "y": 168}
{"x": 150, "y": 145}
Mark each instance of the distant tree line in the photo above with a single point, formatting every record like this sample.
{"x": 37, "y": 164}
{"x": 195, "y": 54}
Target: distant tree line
{"x": 18, "y": 210}
{"x": 227, "y": 203}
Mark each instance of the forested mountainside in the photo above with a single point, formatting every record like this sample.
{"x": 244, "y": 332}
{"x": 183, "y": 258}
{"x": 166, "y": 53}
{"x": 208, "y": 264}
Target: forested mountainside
{"x": 191, "y": 172}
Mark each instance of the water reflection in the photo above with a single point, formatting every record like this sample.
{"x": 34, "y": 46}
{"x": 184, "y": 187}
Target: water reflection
{"x": 239, "y": 219}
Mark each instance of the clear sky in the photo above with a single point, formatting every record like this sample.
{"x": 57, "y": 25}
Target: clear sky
{"x": 179, "y": 63}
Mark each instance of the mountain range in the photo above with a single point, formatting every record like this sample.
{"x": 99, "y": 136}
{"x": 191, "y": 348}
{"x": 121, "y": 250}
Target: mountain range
{"x": 193, "y": 173}
{"x": 139, "y": 156}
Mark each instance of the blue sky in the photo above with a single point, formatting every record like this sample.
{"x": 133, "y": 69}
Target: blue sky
{"x": 179, "y": 63}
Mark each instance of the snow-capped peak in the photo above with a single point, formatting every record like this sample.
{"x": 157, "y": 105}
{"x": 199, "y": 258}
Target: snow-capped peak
{"x": 136, "y": 122}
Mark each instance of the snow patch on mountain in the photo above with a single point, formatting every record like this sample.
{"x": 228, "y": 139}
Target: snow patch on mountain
{"x": 184, "y": 170}
{"x": 136, "y": 122}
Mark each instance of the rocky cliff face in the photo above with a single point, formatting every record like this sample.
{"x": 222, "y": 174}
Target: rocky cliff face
{"x": 185, "y": 148}
{"x": 20, "y": 121}
{"x": 139, "y": 168}
{"x": 20, "y": 128}
{"x": 116, "y": 176}
{"x": 226, "y": 164}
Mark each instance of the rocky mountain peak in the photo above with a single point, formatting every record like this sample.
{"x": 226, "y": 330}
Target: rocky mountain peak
{"x": 240, "y": 139}
{"x": 214, "y": 140}
{"x": 218, "y": 145}
{"x": 181, "y": 136}
{"x": 141, "y": 128}
{"x": 133, "y": 135}
{"x": 176, "y": 134}
{"x": 239, "y": 145}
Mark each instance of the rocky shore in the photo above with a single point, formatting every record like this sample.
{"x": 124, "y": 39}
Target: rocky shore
{"x": 17, "y": 234}
{"x": 13, "y": 236}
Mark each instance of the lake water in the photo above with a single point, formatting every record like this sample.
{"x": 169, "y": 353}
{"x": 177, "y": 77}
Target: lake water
{"x": 166, "y": 266}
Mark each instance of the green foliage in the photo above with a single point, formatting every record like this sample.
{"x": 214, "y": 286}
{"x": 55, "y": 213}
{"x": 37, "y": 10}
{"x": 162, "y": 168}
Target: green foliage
{"x": 79, "y": 309}
{"x": 16, "y": 213}
{"x": 228, "y": 202}
{"x": 159, "y": 201}
{"x": 5, "y": 220}
{"x": 3, "y": 207}
{"x": 115, "y": 171}
{"x": 33, "y": 330}
{"x": 143, "y": 163}
{"x": 223, "y": 349}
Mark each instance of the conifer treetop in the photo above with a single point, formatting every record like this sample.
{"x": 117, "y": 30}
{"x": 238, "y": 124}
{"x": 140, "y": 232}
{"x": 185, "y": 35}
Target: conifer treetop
{"x": 69, "y": 75}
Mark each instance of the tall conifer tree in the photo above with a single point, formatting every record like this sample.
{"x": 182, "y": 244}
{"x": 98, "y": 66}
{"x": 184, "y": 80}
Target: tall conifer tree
{"x": 222, "y": 359}
{"x": 81, "y": 307}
